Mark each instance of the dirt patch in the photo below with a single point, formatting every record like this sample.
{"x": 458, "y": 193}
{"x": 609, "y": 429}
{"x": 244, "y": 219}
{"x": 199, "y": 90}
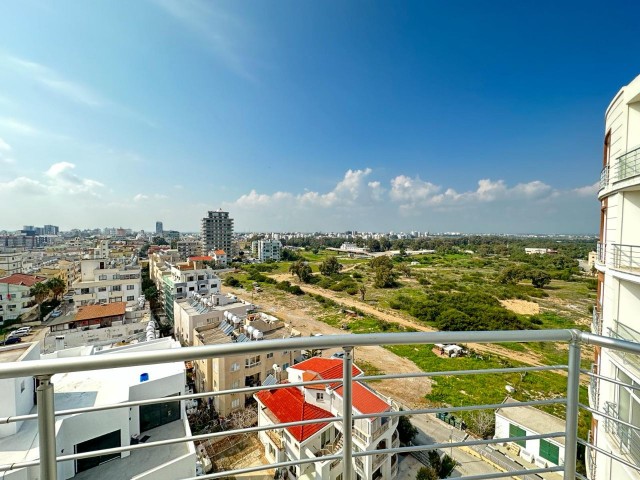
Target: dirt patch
{"x": 521, "y": 307}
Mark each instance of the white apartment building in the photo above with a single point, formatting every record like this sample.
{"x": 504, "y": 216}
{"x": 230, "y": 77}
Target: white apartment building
{"x": 618, "y": 294}
{"x": 15, "y": 296}
{"x": 232, "y": 372}
{"x": 102, "y": 281}
{"x": 264, "y": 250}
{"x": 95, "y": 430}
{"x": 294, "y": 404}
{"x": 199, "y": 310}
{"x": 216, "y": 230}
{"x": 11, "y": 262}
{"x": 102, "y": 250}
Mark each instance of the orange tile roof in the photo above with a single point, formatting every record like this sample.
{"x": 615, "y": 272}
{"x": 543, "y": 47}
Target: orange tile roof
{"x": 219, "y": 252}
{"x": 91, "y": 312}
{"x": 327, "y": 368}
{"x": 364, "y": 400}
{"x": 200, "y": 257}
{"x": 22, "y": 279}
{"x": 288, "y": 405}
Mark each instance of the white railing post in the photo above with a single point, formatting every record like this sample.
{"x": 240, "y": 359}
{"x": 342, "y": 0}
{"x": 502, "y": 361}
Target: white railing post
{"x": 573, "y": 392}
{"x": 347, "y": 412}
{"x": 46, "y": 428}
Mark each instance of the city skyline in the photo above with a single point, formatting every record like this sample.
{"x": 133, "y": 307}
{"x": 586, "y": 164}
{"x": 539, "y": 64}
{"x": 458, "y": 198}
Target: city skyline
{"x": 308, "y": 117}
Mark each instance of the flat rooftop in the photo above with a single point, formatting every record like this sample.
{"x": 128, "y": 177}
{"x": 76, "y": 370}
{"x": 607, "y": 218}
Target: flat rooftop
{"x": 534, "y": 419}
{"x": 13, "y": 353}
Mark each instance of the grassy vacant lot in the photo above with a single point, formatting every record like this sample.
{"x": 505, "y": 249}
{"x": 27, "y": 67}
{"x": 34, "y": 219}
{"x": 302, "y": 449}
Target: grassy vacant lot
{"x": 456, "y": 291}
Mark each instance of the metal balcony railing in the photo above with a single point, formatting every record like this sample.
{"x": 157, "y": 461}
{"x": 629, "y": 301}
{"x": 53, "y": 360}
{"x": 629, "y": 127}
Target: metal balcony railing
{"x": 627, "y": 165}
{"x": 624, "y": 332}
{"x": 625, "y": 435}
{"x": 601, "y": 253}
{"x": 349, "y": 455}
{"x": 604, "y": 177}
{"x": 626, "y": 257}
{"x": 596, "y": 321}
{"x": 594, "y": 388}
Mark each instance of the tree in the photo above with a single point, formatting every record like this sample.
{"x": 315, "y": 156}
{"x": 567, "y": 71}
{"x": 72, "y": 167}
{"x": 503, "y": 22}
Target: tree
{"x": 512, "y": 274}
{"x": 540, "y": 278}
{"x": 151, "y": 294}
{"x": 40, "y": 291}
{"x": 302, "y": 270}
{"x": 363, "y": 290}
{"x": 427, "y": 473}
{"x": 483, "y": 423}
{"x": 406, "y": 431}
{"x": 330, "y": 266}
{"x": 159, "y": 241}
{"x": 56, "y": 286}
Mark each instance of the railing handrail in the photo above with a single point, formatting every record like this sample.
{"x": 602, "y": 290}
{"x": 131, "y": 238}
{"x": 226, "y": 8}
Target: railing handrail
{"x": 116, "y": 360}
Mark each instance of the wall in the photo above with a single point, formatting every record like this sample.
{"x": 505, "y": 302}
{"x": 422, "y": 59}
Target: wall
{"x": 78, "y": 338}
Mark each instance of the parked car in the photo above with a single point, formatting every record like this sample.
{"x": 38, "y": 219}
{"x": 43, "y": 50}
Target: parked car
{"x": 55, "y": 314}
{"x": 26, "y": 329}
{"x": 338, "y": 355}
{"x": 11, "y": 341}
{"x": 18, "y": 333}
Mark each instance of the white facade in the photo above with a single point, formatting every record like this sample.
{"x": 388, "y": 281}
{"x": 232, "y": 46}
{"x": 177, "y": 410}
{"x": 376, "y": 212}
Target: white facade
{"x": 618, "y": 294}
{"x": 101, "y": 281}
{"x": 98, "y": 388}
{"x": 11, "y": 262}
{"x": 264, "y": 250}
{"x": 376, "y": 433}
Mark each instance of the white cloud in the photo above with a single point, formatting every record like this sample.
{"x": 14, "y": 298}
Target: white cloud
{"x": 23, "y": 185}
{"x": 63, "y": 180}
{"x": 587, "y": 190}
{"x": 7, "y": 161}
{"x": 4, "y": 146}
{"x": 139, "y": 197}
{"x": 19, "y": 127}
{"x": 404, "y": 188}
{"x": 54, "y": 82}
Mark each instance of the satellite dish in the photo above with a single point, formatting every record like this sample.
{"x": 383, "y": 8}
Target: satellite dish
{"x": 277, "y": 368}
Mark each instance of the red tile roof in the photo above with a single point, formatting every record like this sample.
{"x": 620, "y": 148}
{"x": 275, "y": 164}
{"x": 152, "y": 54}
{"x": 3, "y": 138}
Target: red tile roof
{"x": 364, "y": 400}
{"x": 288, "y": 405}
{"x": 327, "y": 368}
{"x": 91, "y": 312}
{"x": 22, "y": 279}
{"x": 219, "y": 252}
{"x": 206, "y": 258}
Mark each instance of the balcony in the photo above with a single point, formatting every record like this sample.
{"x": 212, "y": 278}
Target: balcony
{"x": 601, "y": 253}
{"x": 625, "y": 435}
{"x": 347, "y": 457}
{"x": 624, "y": 332}
{"x": 604, "y": 177}
{"x": 594, "y": 388}
{"x": 596, "y": 321}
{"x": 627, "y": 165}
{"x": 626, "y": 257}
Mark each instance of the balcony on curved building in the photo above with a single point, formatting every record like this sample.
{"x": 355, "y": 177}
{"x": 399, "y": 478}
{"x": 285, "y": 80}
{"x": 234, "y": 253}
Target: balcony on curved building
{"x": 623, "y": 173}
{"x": 625, "y": 257}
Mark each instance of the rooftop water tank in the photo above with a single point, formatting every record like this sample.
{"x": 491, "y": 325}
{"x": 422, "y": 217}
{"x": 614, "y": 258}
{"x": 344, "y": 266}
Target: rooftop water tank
{"x": 257, "y": 334}
{"x": 250, "y": 330}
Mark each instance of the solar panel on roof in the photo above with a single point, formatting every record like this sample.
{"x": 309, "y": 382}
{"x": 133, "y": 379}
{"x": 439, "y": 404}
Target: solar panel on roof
{"x": 270, "y": 380}
{"x": 241, "y": 338}
{"x": 223, "y": 325}
{"x": 227, "y": 330}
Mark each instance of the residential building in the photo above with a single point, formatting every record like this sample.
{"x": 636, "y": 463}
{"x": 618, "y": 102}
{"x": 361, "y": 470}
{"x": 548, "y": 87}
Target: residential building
{"x": 264, "y": 250}
{"x": 159, "y": 228}
{"x": 198, "y": 310}
{"x": 220, "y": 257}
{"x": 11, "y": 261}
{"x": 618, "y": 292}
{"x": 90, "y": 316}
{"x": 311, "y": 402}
{"x": 526, "y": 421}
{"x": 102, "y": 250}
{"x": 216, "y": 230}
{"x": 188, "y": 248}
{"x": 51, "y": 230}
{"x": 238, "y": 371}
{"x": 93, "y": 430}
{"x": 15, "y": 297}
{"x": 103, "y": 281}
{"x": 181, "y": 278}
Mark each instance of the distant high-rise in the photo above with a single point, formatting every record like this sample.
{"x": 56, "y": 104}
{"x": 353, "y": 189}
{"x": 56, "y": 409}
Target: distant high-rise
{"x": 159, "y": 228}
{"x": 216, "y": 231}
{"x": 51, "y": 230}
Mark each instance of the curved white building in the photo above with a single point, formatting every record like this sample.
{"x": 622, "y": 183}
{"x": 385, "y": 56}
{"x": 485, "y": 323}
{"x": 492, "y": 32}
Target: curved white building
{"x": 617, "y": 310}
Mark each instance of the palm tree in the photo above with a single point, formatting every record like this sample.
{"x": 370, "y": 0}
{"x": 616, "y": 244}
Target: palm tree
{"x": 56, "y": 286}
{"x": 41, "y": 292}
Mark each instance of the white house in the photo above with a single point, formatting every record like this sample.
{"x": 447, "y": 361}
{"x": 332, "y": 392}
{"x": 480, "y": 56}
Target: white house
{"x": 84, "y": 432}
{"x": 525, "y": 421}
{"x": 290, "y": 404}
{"x": 102, "y": 281}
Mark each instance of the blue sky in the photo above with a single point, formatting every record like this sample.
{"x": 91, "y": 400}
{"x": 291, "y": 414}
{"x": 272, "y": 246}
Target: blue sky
{"x": 296, "y": 115}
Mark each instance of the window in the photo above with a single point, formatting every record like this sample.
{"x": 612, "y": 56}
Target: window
{"x": 320, "y": 396}
{"x": 515, "y": 431}
{"x": 235, "y": 367}
{"x": 252, "y": 361}
{"x": 102, "y": 289}
{"x": 235, "y": 384}
{"x": 628, "y": 411}
{"x": 285, "y": 366}
{"x": 130, "y": 287}
{"x": 116, "y": 288}
{"x": 130, "y": 298}
{"x": 235, "y": 403}
{"x": 549, "y": 451}
{"x": 270, "y": 355}
{"x": 102, "y": 277}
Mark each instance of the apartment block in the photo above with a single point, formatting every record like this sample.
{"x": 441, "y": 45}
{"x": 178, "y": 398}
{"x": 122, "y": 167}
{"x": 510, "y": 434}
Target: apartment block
{"x": 188, "y": 248}
{"x": 216, "y": 231}
{"x": 231, "y": 372}
{"x": 293, "y": 404}
{"x": 103, "y": 281}
{"x": 264, "y": 250}
{"x": 618, "y": 294}
{"x": 15, "y": 297}
{"x": 11, "y": 261}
